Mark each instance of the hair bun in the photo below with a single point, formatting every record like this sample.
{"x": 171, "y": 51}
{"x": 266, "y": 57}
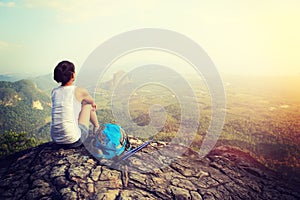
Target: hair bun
{"x": 63, "y": 72}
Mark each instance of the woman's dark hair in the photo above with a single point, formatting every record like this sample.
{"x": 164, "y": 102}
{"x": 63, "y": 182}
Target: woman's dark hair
{"x": 63, "y": 72}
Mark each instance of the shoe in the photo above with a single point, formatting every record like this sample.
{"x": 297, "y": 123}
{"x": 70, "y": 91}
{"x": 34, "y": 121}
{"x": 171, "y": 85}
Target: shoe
{"x": 96, "y": 129}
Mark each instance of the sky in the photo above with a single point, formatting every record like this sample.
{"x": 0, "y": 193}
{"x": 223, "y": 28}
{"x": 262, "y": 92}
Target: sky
{"x": 249, "y": 37}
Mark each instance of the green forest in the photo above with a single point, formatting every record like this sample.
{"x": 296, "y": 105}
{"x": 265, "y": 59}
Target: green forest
{"x": 24, "y": 111}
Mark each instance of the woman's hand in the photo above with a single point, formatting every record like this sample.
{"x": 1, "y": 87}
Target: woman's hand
{"x": 89, "y": 101}
{"x": 84, "y": 97}
{"x": 94, "y": 106}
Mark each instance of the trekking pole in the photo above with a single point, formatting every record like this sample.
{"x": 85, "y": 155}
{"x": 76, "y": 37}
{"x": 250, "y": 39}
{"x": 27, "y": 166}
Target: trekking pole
{"x": 133, "y": 151}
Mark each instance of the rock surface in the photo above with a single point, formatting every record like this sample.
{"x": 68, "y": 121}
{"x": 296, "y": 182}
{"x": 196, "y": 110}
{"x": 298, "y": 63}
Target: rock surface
{"x": 48, "y": 172}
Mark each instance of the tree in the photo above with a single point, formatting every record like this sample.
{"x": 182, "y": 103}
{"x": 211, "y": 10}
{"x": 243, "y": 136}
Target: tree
{"x": 12, "y": 142}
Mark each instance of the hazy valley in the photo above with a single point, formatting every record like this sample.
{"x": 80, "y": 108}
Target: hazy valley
{"x": 262, "y": 114}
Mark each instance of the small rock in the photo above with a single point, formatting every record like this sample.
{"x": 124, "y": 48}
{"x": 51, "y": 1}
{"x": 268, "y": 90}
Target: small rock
{"x": 40, "y": 183}
{"x": 58, "y": 171}
{"x": 90, "y": 187}
{"x": 91, "y": 161}
{"x": 36, "y": 193}
{"x": 62, "y": 162}
{"x": 107, "y": 195}
{"x": 159, "y": 181}
{"x": 136, "y": 194}
{"x": 61, "y": 181}
{"x": 210, "y": 196}
{"x": 196, "y": 195}
{"x": 40, "y": 173}
{"x": 67, "y": 193}
{"x": 183, "y": 170}
{"x": 136, "y": 162}
{"x": 110, "y": 184}
{"x": 89, "y": 180}
{"x": 179, "y": 193}
{"x": 140, "y": 178}
{"x": 201, "y": 174}
{"x": 78, "y": 172}
{"x": 95, "y": 173}
{"x": 182, "y": 183}
{"x": 108, "y": 174}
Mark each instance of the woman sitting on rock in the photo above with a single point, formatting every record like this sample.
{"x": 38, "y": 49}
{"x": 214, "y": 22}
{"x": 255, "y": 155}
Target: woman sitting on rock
{"x": 72, "y": 108}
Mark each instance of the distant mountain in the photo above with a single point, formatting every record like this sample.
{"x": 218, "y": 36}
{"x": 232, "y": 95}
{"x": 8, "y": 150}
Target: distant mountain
{"x": 118, "y": 76}
{"x": 141, "y": 76}
{"x": 13, "y": 77}
{"x": 45, "y": 82}
{"x": 24, "y": 107}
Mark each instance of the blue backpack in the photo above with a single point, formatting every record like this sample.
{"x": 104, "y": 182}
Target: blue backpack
{"x": 110, "y": 141}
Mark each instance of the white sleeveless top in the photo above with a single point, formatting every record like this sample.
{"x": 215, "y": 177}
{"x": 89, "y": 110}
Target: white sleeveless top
{"x": 65, "y": 114}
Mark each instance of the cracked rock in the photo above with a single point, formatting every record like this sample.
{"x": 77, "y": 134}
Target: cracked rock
{"x": 48, "y": 172}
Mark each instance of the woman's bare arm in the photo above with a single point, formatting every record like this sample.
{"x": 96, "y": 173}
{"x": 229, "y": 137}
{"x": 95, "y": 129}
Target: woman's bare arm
{"x": 83, "y": 96}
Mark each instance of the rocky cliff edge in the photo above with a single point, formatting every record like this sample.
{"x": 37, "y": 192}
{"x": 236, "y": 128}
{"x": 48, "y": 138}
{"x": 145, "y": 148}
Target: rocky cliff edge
{"x": 48, "y": 172}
